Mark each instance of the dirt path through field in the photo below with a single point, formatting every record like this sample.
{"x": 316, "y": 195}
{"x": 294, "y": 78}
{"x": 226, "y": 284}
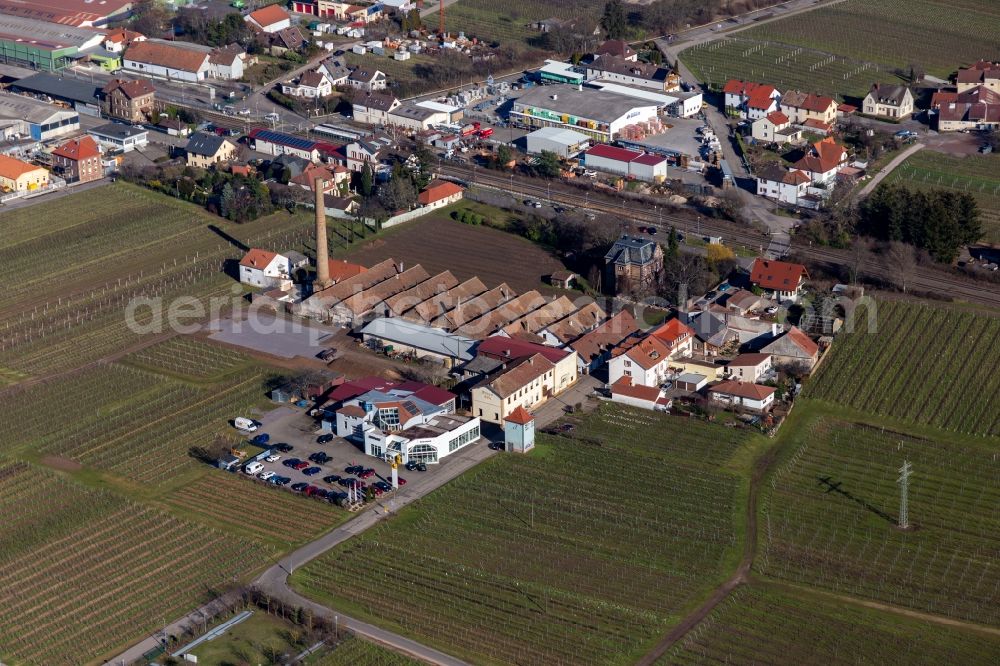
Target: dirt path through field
{"x": 741, "y": 576}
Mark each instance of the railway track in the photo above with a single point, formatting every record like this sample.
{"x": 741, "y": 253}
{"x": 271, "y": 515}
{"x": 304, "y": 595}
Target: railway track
{"x": 925, "y": 280}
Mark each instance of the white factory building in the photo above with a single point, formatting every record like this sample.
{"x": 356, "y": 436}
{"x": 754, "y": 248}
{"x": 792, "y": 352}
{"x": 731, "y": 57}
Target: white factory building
{"x": 28, "y": 117}
{"x": 648, "y": 167}
{"x": 599, "y": 114}
{"x": 563, "y": 142}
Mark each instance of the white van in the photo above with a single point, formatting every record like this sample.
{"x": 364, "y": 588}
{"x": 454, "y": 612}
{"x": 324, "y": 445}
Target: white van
{"x": 253, "y": 468}
{"x": 243, "y": 423}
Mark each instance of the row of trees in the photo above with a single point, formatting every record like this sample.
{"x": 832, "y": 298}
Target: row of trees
{"x": 938, "y": 221}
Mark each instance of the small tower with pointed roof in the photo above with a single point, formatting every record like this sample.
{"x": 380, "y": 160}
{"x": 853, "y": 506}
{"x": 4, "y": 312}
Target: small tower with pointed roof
{"x": 519, "y": 431}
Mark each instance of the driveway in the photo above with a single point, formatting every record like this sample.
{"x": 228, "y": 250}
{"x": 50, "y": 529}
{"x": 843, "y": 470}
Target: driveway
{"x": 896, "y": 161}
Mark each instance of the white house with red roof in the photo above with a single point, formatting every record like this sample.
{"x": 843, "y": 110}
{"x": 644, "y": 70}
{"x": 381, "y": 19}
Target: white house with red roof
{"x": 783, "y": 278}
{"x": 823, "y": 162}
{"x": 790, "y": 187}
{"x": 263, "y": 268}
{"x": 269, "y": 19}
{"x": 775, "y": 127}
{"x": 749, "y": 367}
{"x": 439, "y": 193}
{"x": 748, "y": 99}
{"x": 745, "y": 395}
{"x": 644, "y": 397}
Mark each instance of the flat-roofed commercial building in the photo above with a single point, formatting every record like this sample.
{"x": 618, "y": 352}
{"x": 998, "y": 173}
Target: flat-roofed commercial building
{"x": 42, "y": 45}
{"x": 36, "y": 119}
{"x": 599, "y": 114}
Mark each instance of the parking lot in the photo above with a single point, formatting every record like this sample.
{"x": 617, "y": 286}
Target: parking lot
{"x": 292, "y": 426}
{"x": 680, "y": 138}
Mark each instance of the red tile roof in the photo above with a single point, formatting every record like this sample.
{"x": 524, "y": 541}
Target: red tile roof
{"x": 778, "y": 118}
{"x": 520, "y": 416}
{"x": 746, "y": 360}
{"x": 13, "y": 169}
{"x": 438, "y": 190}
{"x": 432, "y": 394}
{"x": 266, "y": 16}
{"x": 341, "y": 270}
{"x": 742, "y": 390}
{"x": 78, "y": 149}
{"x": 257, "y": 258}
{"x": 979, "y": 72}
{"x": 166, "y": 55}
{"x": 624, "y": 387}
{"x": 777, "y": 275}
{"x": 612, "y": 153}
{"x": 502, "y": 349}
{"x": 615, "y": 47}
{"x": 646, "y": 352}
{"x": 352, "y": 411}
{"x": 802, "y": 341}
{"x": 673, "y": 332}
{"x": 760, "y": 97}
{"x": 827, "y": 156}
{"x": 131, "y": 88}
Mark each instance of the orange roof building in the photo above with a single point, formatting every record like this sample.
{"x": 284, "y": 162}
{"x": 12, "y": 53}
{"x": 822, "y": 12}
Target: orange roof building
{"x": 341, "y": 270}
{"x": 785, "y": 279}
{"x": 439, "y": 193}
{"x": 78, "y": 149}
{"x": 520, "y": 416}
{"x": 271, "y": 18}
{"x": 18, "y": 176}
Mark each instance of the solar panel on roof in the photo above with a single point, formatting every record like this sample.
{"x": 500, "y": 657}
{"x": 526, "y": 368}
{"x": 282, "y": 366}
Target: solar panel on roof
{"x": 285, "y": 139}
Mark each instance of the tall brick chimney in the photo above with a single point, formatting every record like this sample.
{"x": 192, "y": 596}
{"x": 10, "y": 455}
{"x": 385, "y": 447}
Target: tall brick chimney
{"x": 322, "y": 257}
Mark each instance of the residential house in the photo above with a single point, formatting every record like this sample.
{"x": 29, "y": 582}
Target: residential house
{"x": 676, "y": 335}
{"x": 439, "y": 193}
{"x": 644, "y": 397}
{"x": 374, "y": 108}
{"x": 722, "y": 333}
{"x": 775, "y": 127}
{"x": 125, "y": 138}
{"x": 525, "y": 382}
{"x": 593, "y": 349}
{"x": 335, "y": 69}
{"x": 365, "y": 151}
{"x": 617, "y": 48}
{"x": 632, "y": 264}
{"x": 983, "y": 73}
{"x": 367, "y": 79}
{"x": 506, "y": 350}
{"x": 800, "y": 107}
{"x": 628, "y": 72}
{"x": 794, "y": 349}
{"x": 129, "y": 100}
{"x": 116, "y": 41}
{"x": 783, "y": 278}
{"x": 269, "y": 19}
{"x": 748, "y": 99}
{"x": 208, "y": 150}
{"x": 263, "y": 268}
{"x": 18, "y": 176}
{"x": 645, "y": 360}
{"x": 975, "y": 108}
{"x": 823, "y": 162}
{"x": 748, "y": 396}
{"x": 227, "y": 63}
{"x": 332, "y": 176}
{"x": 749, "y": 367}
{"x": 784, "y": 185}
{"x": 310, "y": 85}
{"x": 888, "y": 101}
{"x": 78, "y": 160}
{"x": 741, "y": 301}
{"x": 285, "y": 40}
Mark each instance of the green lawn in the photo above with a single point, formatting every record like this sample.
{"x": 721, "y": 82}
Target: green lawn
{"x": 260, "y": 639}
{"x": 556, "y": 557}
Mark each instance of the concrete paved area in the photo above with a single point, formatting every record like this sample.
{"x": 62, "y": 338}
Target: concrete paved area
{"x": 285, "y": 338}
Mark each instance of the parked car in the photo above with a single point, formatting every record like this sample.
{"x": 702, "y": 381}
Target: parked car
{"x": 383, "y": 485}
{"x": 264, "y": 476}
{"x": 421, "y": 467}
{"x": 301, "y": 465}
{"x": 411, "y": 465}
{"x": 377, "y": 491}
{"x": 905, "y": 134}
{"x": 291, "y": 462}
{"x": 300, "y": 486}
{"x": 312, "y": 471}
{"x": 280, "y": 480}
{"x": 243, "y": 423}
{"x": 401, "y": 481}
{"x": 333, "y": 478}
{"x": 319, "y": 457}
{"x": 262, "y": 438}
{"x": 253, "y": 468}
{"x": 274, "y": 457}
{"x": 354, "y": 469}
{"x": 284, "y": 448}
{"x": 324, "y": 439}
{"x": 366, "y": 474}
{"x": 327, "y": 355}
{"x": 496, "y": 446}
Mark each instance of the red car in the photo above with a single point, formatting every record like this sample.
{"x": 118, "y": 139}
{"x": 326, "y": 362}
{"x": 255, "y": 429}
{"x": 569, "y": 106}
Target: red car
{"x": 301, "y": 465}
{"x": 367, "y": 474}
{"x": 401, "y": 481}
{"x": 377, "y": 491}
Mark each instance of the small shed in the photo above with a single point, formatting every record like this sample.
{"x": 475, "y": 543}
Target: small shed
{"x": 228, "y": 462}
{"x": 563, "y": 279}
{"x": 519, "y": 431}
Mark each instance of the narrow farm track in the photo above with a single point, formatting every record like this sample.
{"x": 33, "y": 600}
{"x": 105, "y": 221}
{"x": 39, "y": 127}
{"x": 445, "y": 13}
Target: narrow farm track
{"x": 923, "y": 279}
{"x": 740, "y": 577}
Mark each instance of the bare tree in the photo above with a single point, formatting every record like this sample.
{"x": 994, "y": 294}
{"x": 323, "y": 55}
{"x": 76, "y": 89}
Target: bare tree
{"x": 902, "y": 260}
{"x": 860, "y": 253}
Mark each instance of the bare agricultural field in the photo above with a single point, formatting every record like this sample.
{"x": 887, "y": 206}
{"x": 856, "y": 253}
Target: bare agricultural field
{"x": 440, "y": 243}
{"x": 842, "y": 48}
